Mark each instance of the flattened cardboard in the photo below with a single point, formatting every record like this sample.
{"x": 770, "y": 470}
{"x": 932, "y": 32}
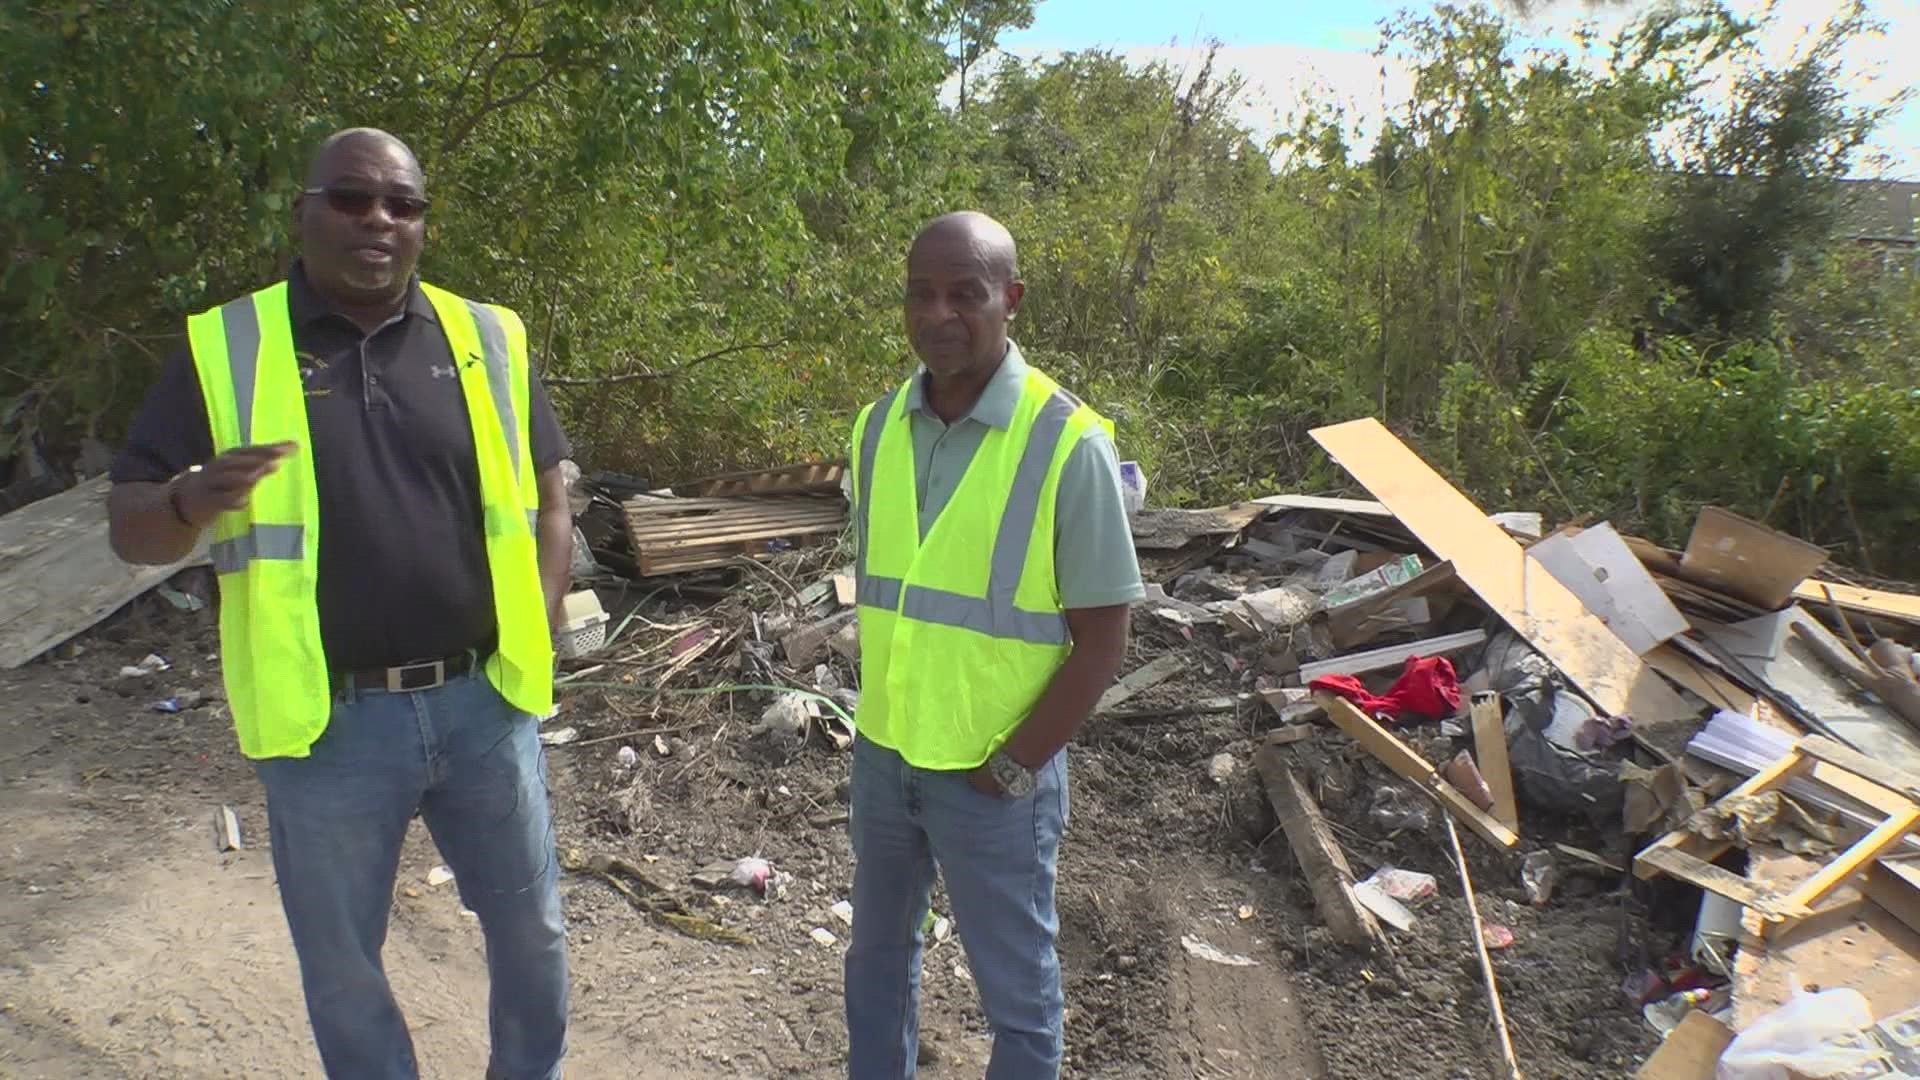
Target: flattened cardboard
{"x": 1753, "y": 562}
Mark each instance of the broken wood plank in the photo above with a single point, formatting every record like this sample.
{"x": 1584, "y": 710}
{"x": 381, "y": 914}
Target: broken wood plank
{"x": 1170, "y": 529}
{"x": 1142, "y": 678}
{"x": 1204, "y": 707}
{"x": 1494, "y": 1007}
{"x": 1496, "y": 568}
{"x": 843, "y": 589}
{"x": 1855, "y": 859}
{"x": 1896, "y": 888}
{"x": 1292, "y": 733}
{"x": 1490, "y": 753}
{"x": 1903, "y": 607}
{"x": 1898, "y": 781}
{"x": 1392, "y": 656}
{"x": 1712, "y": 687}
{"x": 1673, "y": 862}
{"x": 1691, "y": 1050}
{"x": 59, "y": 575}
{"x": 1402, "y": 759}
{"x": 1358, "y": 507}
{"x": 1753, "y": 562}
{"x": 1329, "y": 876}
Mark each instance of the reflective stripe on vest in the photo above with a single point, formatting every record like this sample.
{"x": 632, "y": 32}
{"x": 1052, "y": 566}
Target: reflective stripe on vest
{"x": 994, "y": 614}
{"x": 961, "y": 624}
{"x": 266, "y": 557}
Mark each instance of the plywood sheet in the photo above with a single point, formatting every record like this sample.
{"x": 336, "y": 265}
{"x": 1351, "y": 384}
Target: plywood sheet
{"x": 1496, "y": 568}
{"x": 1865, "y": 948}
{"x": 1603, "y": 572}
{"x": 1891, "y": 605}
{"x": 1748, "y": 559}
{"x": 59, "y": 576}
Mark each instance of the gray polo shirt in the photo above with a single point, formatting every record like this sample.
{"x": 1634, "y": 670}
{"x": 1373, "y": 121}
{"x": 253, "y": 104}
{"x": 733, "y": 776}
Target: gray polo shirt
{"x": 1092, "y": 542}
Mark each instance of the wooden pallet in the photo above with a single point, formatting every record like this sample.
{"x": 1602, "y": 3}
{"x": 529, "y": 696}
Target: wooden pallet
{"x": 813, "y": 477}
{"x": 1688, "y": 856}
{"x": 671, "y": 536}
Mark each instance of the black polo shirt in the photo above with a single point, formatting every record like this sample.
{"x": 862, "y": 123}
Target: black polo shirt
{"x": 402, "y": 551}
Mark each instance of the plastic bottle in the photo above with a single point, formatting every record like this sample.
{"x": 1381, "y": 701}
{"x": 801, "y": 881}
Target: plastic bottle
{"x": 1665, "y": 1015}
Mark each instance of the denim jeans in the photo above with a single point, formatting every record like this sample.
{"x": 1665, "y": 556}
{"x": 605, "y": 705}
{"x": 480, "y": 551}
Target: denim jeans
{"x": 471, "y": 765}
{"x": 998, "y": 857}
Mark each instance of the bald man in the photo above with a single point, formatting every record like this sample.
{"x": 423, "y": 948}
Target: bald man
{"x": 378, "y": 470}
{"x": 994, "y": 575}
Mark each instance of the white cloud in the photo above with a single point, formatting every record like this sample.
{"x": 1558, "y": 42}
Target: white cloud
{"x": 1283, "y": 80}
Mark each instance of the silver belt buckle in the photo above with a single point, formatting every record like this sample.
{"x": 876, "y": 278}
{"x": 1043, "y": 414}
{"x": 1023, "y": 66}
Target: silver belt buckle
{"x": 408, "y": 678}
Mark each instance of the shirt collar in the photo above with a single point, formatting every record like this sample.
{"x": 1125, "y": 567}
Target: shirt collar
{"x": 998, "y": 399}
{"x": 306, "y": 306}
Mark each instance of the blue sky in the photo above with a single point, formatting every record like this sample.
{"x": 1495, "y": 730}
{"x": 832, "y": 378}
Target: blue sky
{"x": 1290, "y": 51}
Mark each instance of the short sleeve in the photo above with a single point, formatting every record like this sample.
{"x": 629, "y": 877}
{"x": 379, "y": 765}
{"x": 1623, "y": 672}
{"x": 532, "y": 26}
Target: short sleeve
{"x": 550, "y": 445}
{"x": 1094, "y": 559}
{"x": 170, "y": 433}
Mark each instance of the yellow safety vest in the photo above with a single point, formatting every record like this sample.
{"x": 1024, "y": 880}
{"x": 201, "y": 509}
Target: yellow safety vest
{"x": 267, "y": 555}
{"x": 960, "y": 633}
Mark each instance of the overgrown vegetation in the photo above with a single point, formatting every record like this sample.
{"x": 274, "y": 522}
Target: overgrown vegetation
{"x": 1583, "y": 287}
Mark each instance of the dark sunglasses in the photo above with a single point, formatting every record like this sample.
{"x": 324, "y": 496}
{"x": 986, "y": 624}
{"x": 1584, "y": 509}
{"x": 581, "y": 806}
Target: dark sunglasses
{"x": 356, "y": 201}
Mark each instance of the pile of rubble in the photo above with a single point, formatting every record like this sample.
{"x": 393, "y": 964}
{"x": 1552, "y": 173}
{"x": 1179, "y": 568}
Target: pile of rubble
{"x": 1709, "y": 716}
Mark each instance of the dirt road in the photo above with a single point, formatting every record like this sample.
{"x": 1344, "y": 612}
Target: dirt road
{"x": 130, "y": 948}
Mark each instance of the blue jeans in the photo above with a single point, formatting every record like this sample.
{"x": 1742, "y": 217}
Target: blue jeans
{"x": 998, "y": 857}
{"x": 471, "y": 765}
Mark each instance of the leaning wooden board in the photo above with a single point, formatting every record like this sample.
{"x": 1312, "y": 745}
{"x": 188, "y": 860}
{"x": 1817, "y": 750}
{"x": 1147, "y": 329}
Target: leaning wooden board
{"x": 1890, "y": 605}
{"x": 58, "y": 576}
{"x": 1496, "y": 568}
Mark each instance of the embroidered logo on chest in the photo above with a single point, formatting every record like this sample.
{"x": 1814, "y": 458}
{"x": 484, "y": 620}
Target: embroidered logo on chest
{"x": 442, "y": 372}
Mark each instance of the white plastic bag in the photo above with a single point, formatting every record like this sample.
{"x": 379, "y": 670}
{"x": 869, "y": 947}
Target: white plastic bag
{"x": 1806, "y": 1035}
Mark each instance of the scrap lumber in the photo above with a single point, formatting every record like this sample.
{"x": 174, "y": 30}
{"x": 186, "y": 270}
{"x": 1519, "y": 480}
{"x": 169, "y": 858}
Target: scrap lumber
{"x": 1901, "y": 607}
{"x": 1753, "y": 562}
{"x": 1870, "y": 950}
{"x": 1494, "y": 1008}
{"x": 1170, "y": 529}
{"x": 1402, "y": 759}
{"x": 1139, "y": 679}
{"x": 1687, "y": 856}
{"x": 1490, "y": 753}
{"x": 1893, "y": 686}
{"x": 58, "y": 574}
{"x": 1709, "y": 683}
{"x": 675, "y": 535}
{"x": 1391, "y": 656}
{"x": 806, "y": 477}
{"x": 1691, "y": 1050}
{"x": 1329, "y": 876}
{"x": 1360, "y": 507}
{"x": 1496, "y": 568}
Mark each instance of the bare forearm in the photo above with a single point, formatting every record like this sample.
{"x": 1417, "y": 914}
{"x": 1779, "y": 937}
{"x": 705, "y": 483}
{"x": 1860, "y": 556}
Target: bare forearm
{"x": 142, "y": 527}
{"x": 555, "y": 540}
{"x": 1100, "y": 642}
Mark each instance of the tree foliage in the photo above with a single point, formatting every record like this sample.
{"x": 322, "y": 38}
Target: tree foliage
{"x": 1587, "y": 287}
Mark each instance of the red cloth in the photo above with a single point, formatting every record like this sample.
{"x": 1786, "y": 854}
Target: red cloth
{"x": 1427, "y": 687}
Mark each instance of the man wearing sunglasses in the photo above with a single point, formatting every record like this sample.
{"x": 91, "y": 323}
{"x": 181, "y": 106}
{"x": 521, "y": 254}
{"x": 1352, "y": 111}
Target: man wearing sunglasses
{"x": 377, "y": 471}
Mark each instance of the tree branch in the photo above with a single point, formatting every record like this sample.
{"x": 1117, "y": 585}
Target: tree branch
{"x": 637, "y": 376}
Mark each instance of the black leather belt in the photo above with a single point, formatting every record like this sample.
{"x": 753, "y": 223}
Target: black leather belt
{"x": 419, "y": 675}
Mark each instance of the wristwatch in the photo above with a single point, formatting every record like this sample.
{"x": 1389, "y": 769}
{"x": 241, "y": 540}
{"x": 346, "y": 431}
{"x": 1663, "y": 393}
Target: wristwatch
{"x": 1014, "y": 778}
{"x": 173, "y": 495}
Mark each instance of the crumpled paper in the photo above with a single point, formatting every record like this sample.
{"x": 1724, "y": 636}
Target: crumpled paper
{"x": 1767, "y": 816}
